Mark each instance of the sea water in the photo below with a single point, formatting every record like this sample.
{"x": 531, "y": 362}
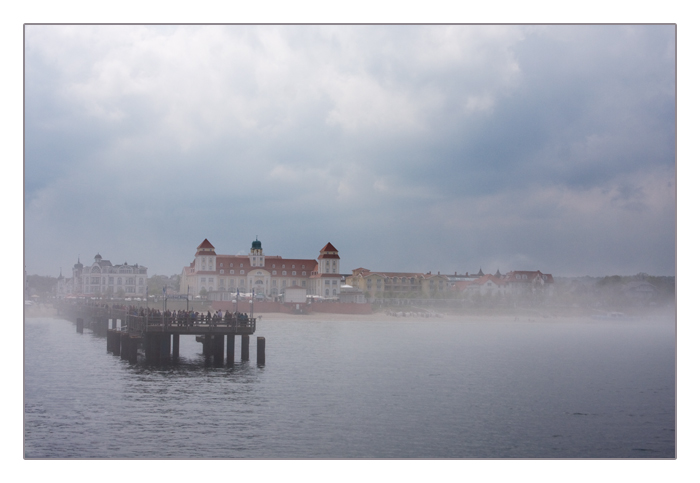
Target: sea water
{"x": 370, "y": 388}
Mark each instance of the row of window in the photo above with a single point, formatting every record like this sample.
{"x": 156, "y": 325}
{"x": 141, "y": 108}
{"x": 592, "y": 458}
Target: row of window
{"x": 101, "y": 281}
{"x": 242, "y": 282}
{"x": 89, "y": 289}
{"x": 302, "y": 283}
{"x": 274, "y": 272}
{"x": 114, "y": 270}
{"x": 230, "y": 265}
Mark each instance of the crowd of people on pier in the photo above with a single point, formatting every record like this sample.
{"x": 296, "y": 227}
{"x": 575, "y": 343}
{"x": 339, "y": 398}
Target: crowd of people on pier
{"x": 180, "y": 318}
{"x": 183, "y": 318}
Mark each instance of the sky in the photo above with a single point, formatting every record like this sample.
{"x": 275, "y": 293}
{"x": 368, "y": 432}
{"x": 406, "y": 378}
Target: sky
{"x": 414, "y": 148}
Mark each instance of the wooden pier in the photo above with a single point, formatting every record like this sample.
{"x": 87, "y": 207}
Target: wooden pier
{"x": 158, "y": 336}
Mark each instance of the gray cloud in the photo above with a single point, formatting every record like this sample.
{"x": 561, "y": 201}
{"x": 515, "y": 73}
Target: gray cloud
{"x": 408, "y": 147}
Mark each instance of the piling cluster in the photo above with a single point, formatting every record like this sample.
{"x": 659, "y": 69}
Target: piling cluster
{"x": 157, "y": 334}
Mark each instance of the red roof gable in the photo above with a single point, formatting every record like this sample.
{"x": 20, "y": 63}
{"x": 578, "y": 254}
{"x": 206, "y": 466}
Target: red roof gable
{"x": 329, "y": 248}
{"x": 205, "y": 244}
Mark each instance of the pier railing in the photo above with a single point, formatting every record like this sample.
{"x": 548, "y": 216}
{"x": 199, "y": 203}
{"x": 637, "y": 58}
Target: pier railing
{"x": 136, "y": 324}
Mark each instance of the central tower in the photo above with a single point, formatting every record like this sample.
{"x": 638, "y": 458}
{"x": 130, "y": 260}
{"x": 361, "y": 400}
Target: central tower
{"x": 257, "y": 257}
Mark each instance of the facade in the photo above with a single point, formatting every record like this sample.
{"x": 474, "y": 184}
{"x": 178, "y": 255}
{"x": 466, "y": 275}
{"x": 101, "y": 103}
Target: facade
{"x": 351, "y": 295}
{"x": 220, "y": 277}
{"x": 484, "y": 285}
{"x": 523, "y": 281}
{"x": 513, "y": 283}
{"x": 104, "y": 279}
{"x": 393, "y": 284}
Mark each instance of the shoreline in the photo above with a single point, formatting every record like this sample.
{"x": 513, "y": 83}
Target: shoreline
{"x": 500, "y": 315}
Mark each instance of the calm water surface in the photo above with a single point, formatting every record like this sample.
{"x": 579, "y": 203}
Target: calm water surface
{"x": 410, "y": 388}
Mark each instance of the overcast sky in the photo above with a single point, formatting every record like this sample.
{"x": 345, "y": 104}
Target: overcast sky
{"x": 410, "y": 148}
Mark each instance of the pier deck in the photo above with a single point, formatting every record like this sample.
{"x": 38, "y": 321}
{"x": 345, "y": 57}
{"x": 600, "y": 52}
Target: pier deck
{"x": 159, "y": 334}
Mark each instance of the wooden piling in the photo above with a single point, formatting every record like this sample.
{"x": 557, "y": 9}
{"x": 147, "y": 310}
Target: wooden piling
{"x": 218, "y": 349}
{"x": 245, "y": 343}
{"x": 116, "y": 343}
{"x": 153, "y": 344}
{"x": 133, "y": 350}
{"x": 230, "y": 341}
{"x": 261, "y": 350}
{"x": 124, "y": 341}
{"x": 164, "y": 346}
{"x": 79, "y": 323}
{"x": 176, "y": 347}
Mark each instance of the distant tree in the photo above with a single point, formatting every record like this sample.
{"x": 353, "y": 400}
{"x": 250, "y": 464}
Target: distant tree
{"x": 44, "y": 287}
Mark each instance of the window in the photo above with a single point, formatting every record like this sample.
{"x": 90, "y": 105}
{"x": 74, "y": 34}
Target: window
{"x": 211, "y": 279}
{"x": 221, "y": 265}
{"x": 242, "y": 272}
{"x": 294, "y": 266}
{"x": 273, "y": 265}
{"x": 258, "y": 273}
{"x": 284, "y": 272}
{"x": 241, "y": 265}
{"x": 274, "y": 272}
{"x": 221, "y": 271}
{"x": 231, "y": 272}
{"x": 203, "y": 280}
{"x": 303, "y": 273}
{"x": 293, "y": 273}
{"x": 283, "y": 265}
{"x": 303, "y": 283}
{"x": 230, "y": 265}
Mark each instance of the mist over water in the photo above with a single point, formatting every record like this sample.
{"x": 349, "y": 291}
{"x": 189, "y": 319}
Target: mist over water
{"x": 423, "y": 388}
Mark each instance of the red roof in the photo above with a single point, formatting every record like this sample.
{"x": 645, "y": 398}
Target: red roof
{"x": 329, "y": 248}
{"x": 205, "y": 244}
{"x": 329, "y": 251}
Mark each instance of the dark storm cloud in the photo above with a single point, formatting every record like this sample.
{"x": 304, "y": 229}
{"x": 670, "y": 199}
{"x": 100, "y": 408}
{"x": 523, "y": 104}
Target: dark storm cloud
{"x": 524, "y": 147}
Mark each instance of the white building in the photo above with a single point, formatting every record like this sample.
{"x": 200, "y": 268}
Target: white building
{"x": 221, "y": 276}
{"x": 103, "y": 278}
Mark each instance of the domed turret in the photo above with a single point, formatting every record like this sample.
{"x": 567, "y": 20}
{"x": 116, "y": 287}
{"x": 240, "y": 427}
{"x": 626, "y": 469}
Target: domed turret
{"x": 257, "y": 257}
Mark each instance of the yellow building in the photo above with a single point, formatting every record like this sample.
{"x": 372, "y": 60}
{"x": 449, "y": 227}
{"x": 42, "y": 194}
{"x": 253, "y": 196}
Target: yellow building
{"x": 398, "y": 284}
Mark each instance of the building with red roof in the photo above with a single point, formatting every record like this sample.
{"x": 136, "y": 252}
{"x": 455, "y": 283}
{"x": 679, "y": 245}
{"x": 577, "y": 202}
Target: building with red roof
{"x": 222, "y": 276}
